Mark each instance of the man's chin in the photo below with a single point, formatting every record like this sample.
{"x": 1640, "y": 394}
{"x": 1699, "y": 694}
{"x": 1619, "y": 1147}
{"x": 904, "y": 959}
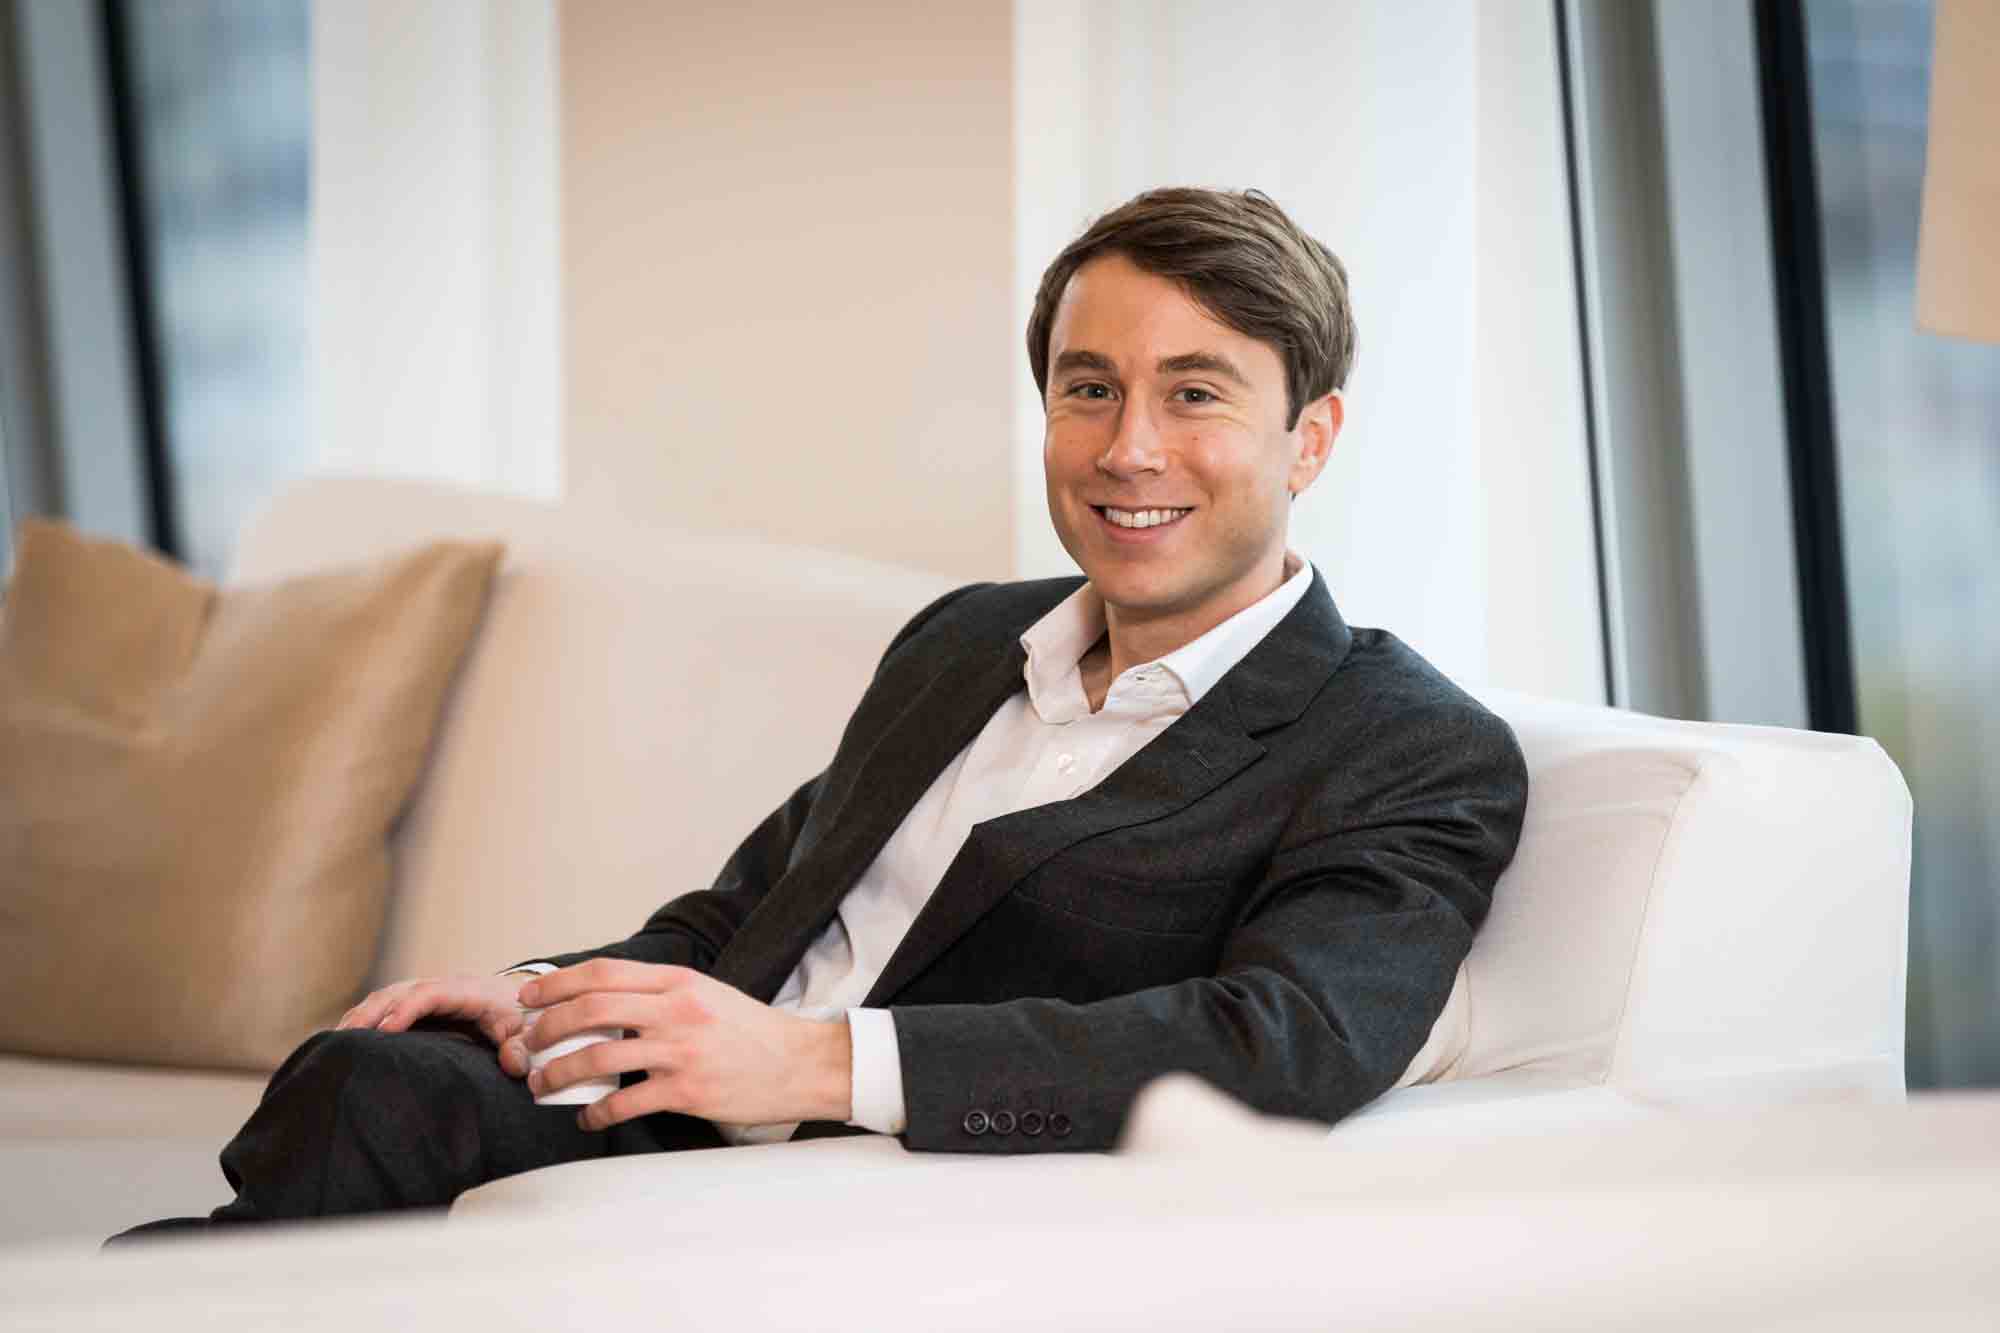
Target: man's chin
{"x": 1139, "y": 599}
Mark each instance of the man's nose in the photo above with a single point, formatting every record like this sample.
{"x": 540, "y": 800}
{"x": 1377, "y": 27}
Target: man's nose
{"x": 1135, "y": 445}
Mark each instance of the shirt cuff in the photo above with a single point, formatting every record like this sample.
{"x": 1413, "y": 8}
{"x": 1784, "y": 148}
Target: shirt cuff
{"x": 877, "y": 1072}
{"x": 539, "y": 969}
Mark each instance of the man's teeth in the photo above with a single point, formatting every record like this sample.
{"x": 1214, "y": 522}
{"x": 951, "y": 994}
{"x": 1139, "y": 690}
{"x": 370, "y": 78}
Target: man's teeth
{"x": 1142, "y": 518}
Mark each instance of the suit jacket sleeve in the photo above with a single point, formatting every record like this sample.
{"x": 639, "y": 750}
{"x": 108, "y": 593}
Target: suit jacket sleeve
{"x": 691, "y": 930}
{"x": 1328, "y": 982}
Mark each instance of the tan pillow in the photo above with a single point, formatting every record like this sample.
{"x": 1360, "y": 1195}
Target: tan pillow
{"x": 197, "y": 787}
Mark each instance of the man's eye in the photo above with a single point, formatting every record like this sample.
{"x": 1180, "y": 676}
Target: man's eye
{"x": 1195, "y": 396}
{"x": 1090, "y": 389}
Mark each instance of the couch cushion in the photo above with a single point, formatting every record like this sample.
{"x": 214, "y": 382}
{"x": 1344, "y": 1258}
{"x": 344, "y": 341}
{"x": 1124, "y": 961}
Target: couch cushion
{"x": 1761, "y": 1222}
{"x": 43, "y": 1099}
{"x": 87, "y": 1149}
{"x": 1694, "y": 905}
{"x": 197, "y": 788}
{"x": 1550, "y": 970}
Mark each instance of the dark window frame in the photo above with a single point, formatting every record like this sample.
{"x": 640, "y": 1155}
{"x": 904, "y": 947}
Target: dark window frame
{"x": 1832, "y": 701}
{"x": 130, "y": 191}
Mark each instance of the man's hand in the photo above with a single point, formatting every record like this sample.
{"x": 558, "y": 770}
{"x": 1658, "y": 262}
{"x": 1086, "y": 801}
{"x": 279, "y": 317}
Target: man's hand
{"x": 707, "y": 1049}
{"x": 489, "y": 1003}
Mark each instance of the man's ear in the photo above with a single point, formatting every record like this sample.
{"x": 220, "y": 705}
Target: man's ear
{"x": 1318, "y": 426}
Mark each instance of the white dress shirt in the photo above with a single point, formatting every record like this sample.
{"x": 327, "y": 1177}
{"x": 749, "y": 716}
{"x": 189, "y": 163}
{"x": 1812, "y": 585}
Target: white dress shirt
{"x": 1040, "y": 746}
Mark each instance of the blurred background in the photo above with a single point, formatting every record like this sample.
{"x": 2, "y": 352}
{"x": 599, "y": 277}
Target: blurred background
{"x": 1642, "y": 413}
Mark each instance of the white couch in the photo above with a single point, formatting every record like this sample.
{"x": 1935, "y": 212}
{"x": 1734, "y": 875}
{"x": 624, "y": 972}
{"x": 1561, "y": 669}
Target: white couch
{"x": 1698, "y": 915}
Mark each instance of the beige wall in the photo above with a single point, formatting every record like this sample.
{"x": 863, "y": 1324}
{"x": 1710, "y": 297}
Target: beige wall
{"x": 786, "y": 252}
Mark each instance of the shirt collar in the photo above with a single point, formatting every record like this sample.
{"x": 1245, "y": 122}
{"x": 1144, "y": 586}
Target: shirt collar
{"x": 1059, "y": 639}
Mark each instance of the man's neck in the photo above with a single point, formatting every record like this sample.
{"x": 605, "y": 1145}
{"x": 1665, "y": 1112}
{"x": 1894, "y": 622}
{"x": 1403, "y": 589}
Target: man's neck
{"x": 1094, "y": 667}
{"x": 1130, "y": 640}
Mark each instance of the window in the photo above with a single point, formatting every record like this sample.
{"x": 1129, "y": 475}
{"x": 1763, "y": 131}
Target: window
{"x": 1916, "y": 453}
{"x": 217, "y": 97}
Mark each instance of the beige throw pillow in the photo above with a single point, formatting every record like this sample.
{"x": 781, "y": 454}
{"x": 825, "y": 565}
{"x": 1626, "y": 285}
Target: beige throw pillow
{"x": 197, "y": 787}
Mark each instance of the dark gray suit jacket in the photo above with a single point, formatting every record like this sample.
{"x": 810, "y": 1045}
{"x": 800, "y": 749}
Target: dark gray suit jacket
{"x": 1275, "y": 893}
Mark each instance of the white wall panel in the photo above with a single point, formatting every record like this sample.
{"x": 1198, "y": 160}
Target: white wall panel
{"x": 436, "y": 331}
{"x": 1422, "y": 142}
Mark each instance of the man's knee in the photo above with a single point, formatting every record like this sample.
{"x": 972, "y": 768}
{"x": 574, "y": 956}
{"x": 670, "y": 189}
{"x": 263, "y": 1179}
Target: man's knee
{"x": 356, "y": 1063}
{"x": 359, "y": 1120}
{"x": 338, "y": 1054}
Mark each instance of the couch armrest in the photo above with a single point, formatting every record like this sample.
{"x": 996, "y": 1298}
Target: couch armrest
{"x": 1775, "y": 945}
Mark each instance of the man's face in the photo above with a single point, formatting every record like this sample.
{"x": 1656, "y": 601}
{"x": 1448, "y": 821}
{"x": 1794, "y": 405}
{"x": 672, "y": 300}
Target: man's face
{"x": 1156, "y": 411}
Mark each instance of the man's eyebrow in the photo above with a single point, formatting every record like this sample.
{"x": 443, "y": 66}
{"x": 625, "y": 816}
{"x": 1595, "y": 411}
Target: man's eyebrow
{"x": 1081, "y": 360}
{"x": 1212, "y": 362}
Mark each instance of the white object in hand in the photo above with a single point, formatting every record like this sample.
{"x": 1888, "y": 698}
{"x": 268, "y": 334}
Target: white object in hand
{"x": 583, "y": 1091}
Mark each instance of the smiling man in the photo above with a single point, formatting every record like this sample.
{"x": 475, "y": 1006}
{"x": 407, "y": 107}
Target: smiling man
{"x": 1174, "y": 449}
{"x": 1173, "y": 815}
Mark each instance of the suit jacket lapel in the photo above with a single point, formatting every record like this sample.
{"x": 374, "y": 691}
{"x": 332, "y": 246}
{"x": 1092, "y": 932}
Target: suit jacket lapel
{"x": 1179, "y": 766}
{"x": 906, "y": 758}
{"x": 1209, "y": 744}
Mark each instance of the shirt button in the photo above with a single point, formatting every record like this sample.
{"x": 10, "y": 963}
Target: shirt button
{"x": 1065, "y": 762}
{"x": 975, "y": 1122}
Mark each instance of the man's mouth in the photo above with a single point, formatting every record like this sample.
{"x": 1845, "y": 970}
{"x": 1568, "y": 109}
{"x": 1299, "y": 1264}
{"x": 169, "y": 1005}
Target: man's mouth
{"x": 1141, "y": 518}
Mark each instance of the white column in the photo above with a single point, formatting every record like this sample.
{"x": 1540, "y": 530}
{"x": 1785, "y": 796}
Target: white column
{"x": 1543, "y": 627}
{"x": 436, "y": 346}
{"x": 1051, "y": 130}
{"x": 1421, "y": 141}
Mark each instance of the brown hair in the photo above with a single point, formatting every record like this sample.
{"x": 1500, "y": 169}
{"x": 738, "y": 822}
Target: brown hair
{"x": 1238, "y": 257}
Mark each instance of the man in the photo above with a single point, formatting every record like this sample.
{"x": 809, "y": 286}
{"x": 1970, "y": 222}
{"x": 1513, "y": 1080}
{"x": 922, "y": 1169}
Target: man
{"x": 1076, "y": 834}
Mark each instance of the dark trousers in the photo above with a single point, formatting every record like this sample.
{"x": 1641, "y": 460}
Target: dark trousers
{"x": 363, "y": 1121}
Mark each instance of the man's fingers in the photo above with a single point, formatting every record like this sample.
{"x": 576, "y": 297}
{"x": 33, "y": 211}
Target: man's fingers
{"x": 370, "y": 1010}
{"x": 600, "y": 1061}
{"x": 418, "y": 1001}
{"x": 602, "y": 974}
{"x": 600, "y": 1009}
{"x": 500, "y": 1024}
{"x": 625, "y": 1104}
{"x": 398, "y": 1007}
{"x": 504, "y": 1029}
